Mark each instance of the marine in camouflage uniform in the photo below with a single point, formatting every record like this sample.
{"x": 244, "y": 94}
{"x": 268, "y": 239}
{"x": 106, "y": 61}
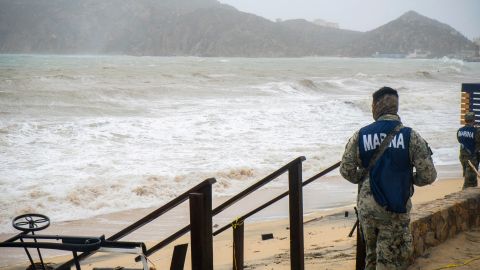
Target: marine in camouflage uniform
{"x": 466, "y": 154}
{"x": 387, "y": 235}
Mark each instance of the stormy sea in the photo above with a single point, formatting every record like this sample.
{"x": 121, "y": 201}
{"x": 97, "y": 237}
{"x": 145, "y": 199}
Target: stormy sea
{"x": 87, "y": 135}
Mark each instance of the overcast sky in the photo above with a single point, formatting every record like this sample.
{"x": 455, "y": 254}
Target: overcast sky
{"x": 364, "y": 15}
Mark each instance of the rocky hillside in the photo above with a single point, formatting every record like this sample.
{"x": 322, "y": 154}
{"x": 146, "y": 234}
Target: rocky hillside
{"x": 408, "y": 33}
{"x": 199, "y": 28}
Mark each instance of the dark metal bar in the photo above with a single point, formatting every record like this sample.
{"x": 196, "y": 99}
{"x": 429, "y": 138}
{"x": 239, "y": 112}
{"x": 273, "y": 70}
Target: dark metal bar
{"x": 361, "y": 248}
{"x": 160, "y": 211}
{"x": 75, "y": 258}
{"x": 29, "y": 256}
{"x": 196, "y": 234}
{"x": 279, "y": 197}
{"x": 229, "y": 202}
{"x": 257, "y": 185}
{"x": 207, "y": 245}
{"x": 38, "y": 251}
{"x": 16, "y": 237}
{"x": 361, "y": 252}
{"x": 201, "y": 251}
{"x": 178, "y": 258}
{"x": 50, "y": 245}
{"x": 353, "y": 228}
{"x": 70, "y": 239}
{"x": 296, "y": 217}
{"x": 165, "y": 242}
{"x": 322, "y": 173}
{"x": 145, "y": 220}
{"x": 238, "y": 232}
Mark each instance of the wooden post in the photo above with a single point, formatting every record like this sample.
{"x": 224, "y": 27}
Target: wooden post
{"x": 296, "y": 217}
{"x": 201, "y": 229}
{"x": 178, "y": 258}
{"x": 238, "y": 230}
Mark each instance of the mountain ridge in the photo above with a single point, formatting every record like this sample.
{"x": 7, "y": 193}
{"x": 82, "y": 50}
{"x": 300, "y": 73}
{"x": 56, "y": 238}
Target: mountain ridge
{"x": 202, "y": 28}
{"x": 409, "y": 32}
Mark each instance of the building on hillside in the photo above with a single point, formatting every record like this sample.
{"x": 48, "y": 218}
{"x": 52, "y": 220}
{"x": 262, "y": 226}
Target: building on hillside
{"x": 419, "y": 54}
{"x": 388, "y": 55}
{"x": 324, "y": 23}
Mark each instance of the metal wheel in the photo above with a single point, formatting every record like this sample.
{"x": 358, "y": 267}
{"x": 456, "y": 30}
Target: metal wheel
{"x": 31, "y": 222}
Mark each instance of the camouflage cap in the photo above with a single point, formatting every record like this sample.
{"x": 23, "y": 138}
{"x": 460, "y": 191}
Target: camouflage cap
{"x": 384, "y": 91}
{"x": 385, "y": 101}
{"x": 470, "y": 117}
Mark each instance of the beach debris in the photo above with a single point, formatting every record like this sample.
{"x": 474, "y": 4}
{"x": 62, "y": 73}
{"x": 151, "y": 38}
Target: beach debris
{"x": 312, "y": 220}
{"x": 267, "y": 236}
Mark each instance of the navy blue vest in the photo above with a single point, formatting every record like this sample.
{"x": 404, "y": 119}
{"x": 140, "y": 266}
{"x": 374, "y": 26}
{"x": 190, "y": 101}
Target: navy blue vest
{"x": 466, "y": 137}
{"x": 391, "y": 176}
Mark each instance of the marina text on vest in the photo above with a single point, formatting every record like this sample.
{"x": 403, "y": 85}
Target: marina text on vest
{"x": 372, "y": 141}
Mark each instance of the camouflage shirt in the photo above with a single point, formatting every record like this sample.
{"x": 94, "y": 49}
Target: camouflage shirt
{"x": 420, "y": 157}
{"x": 463, "y": 152}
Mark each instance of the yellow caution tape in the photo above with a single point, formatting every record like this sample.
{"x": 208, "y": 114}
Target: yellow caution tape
{"x": 458, "y": 265}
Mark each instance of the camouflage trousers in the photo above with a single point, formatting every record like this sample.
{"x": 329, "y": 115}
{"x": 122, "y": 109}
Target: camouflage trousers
{"x": 469, "y": 175}
{"x": 388, "y": 243}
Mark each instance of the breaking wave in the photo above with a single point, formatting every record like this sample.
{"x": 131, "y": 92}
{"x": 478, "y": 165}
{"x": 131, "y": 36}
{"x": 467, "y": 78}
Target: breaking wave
{"x": 82, "y": 137}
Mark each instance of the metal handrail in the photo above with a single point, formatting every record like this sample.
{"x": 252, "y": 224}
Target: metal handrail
{"x": 148, "y": 218}
{"x": 183, "y": 197}
{"x": 160, "y": 211}
{"x": 225, "y": 205}
{"x": 257, "y": 185}
{"x": 279, "y": 197}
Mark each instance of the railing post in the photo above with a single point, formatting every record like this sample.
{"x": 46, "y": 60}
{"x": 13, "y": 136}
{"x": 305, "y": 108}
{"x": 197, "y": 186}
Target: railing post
{"x": 201, "y": 229}
{"x": 238, "y": 230}
{"x": 296, "y": 216}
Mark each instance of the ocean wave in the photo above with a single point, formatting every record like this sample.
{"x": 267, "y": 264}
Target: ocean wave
{"x": 200, "y": 75}
{"x": 303, "y": 87}
{"x": 106, "y": 141}
{"x": 63, "y": 77}
{"x": 451, "y": 70}
{"x": 424, "y": 74}
{"x": 447, "y": 60}
{"x": 277, "y": 88}
{"x": 308, "y": 84}
{"x": 95, "y": 197}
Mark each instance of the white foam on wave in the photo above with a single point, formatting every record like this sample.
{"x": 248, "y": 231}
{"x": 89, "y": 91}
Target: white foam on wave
{"x": 448, "y": 60}
{"x": 115, "y": 142}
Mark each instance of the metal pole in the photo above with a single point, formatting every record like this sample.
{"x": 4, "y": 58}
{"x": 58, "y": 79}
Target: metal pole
{"x": 178, "y": 258}
{"x": 361, "y": 249}
{"x": 296, "y": 217}
{"x": 39, "y": 254}
{"x": 201, "y": 229}
{"x": 238, "y": 230}
{"x": 77, "y": 263}
{"x": 29, "y": 256}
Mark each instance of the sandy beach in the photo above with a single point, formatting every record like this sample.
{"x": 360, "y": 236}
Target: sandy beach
{"x": 327, "y": 245}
